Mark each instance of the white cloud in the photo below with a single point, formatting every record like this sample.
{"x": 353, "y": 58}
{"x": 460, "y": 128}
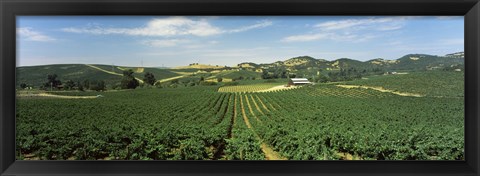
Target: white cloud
{"x": 351, "y": 30}
{"x": 306, "y": 37}
{"x": 172, "y": 26}
{"x": 167, "y": 27}
{"x": 374, "y": 23}
{"x": 336, "y": 25}
{"x": 261, "y": 24}
{"x": 345, "y": 37}
{"x": 31, "y": 35}
{"x": 350, "y": 23}
{"x": 390, "y": 27}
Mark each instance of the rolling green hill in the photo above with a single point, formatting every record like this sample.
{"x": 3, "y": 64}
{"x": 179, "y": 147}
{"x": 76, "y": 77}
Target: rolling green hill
{"x": 37, "y": 75}
{"x": 140, "y": 72}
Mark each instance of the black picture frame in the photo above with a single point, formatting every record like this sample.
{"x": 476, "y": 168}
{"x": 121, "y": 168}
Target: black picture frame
{"x": 470, "y": 9}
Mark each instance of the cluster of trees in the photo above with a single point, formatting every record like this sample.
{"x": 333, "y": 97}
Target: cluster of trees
{"x": 149, "y": 78}
{"x": 92, "y": 85}
{"x": 278, "y": 72}
{"x": 346, "y": 75}
{"x": 454, "y": 68}
{"x": 24, "y": 86}
{"x": 54, "y": 84}
{"x": 128, "y": 82}
{"x": 190, "y": 82}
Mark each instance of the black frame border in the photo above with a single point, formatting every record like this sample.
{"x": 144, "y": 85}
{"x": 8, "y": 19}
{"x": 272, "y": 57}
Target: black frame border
{"x": 470, "y": 9}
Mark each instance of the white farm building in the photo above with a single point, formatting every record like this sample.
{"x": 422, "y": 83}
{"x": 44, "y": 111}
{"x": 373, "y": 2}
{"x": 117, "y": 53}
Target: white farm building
{"x": 298, "y": 81}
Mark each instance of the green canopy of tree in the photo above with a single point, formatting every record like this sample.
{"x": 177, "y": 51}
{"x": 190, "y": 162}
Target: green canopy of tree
{"x": 128, "y": 80}
{"x": 149, "y": 78}
{"x": 98, "y": 85}
{"x": 52, "y": 81}
{"x": 23, "y": 85}
{"x": 69, "y": 84}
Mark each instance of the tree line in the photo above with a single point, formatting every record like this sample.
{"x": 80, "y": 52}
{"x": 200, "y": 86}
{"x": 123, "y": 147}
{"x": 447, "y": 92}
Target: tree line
{"x": 128, "y": 81}
{"x": 343, "y": 74}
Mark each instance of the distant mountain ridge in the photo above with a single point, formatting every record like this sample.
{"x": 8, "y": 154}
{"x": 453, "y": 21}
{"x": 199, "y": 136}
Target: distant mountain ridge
{"x": 407, "y": 62}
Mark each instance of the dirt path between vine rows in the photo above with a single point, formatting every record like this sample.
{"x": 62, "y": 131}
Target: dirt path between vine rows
{"x": 245, "y": 118}
{"x": 256, "y": 105}
{"x": 250, "y": 109}
{"x": 55, "y": 96}
{"x": 171, "y": 78}
{"x": 263, "y": 104}
{"x": 270, "y": 154}
{"x": 278, "y": 88}
{"x": 381, "y": 89}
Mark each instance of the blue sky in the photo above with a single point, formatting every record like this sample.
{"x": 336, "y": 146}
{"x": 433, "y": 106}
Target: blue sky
{"x": 228, "y": 40}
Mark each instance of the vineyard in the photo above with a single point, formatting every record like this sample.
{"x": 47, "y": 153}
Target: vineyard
{"x": 248, "y": 88}
{"x": 432, "y": 84}
{"x": 320, "y": 122}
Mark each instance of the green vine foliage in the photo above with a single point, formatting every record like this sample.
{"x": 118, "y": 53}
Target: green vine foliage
{"x": 321, "y": 122}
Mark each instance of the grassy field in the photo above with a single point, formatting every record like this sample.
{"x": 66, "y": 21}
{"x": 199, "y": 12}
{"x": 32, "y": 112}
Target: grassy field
{"x": 318, "y": 122}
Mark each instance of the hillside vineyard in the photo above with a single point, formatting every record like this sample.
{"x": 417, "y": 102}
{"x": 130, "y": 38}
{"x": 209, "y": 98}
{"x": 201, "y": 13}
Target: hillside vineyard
{"x": 316, "y": 122}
